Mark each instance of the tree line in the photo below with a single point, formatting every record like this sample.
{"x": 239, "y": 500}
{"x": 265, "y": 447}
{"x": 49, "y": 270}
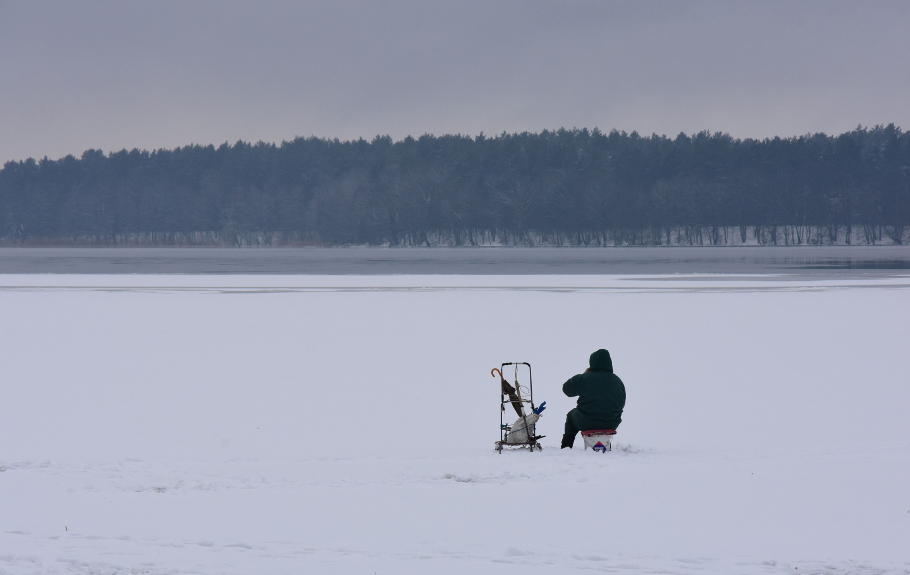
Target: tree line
{"x": 564, "y": 187}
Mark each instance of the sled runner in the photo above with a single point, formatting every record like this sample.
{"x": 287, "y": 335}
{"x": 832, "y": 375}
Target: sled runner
{"x": 522, "y": 433}
{"x": 599, "y": 439}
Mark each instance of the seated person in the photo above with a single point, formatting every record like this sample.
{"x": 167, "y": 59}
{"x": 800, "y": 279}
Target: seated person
{"x": 601, "y": 398}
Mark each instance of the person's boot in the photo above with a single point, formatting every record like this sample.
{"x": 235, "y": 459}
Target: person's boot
{"x": 567, "y": 441}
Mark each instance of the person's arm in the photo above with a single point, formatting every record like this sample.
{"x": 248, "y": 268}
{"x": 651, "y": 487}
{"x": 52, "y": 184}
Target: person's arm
{"x": 573, "y": 386}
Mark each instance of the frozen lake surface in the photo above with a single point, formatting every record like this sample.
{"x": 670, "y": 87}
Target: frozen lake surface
{"x": 345, "y": 424}
{"x": 836, "y": 261}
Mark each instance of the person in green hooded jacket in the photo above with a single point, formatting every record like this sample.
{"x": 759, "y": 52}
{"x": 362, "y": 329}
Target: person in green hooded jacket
{"x": 601, "y": 398}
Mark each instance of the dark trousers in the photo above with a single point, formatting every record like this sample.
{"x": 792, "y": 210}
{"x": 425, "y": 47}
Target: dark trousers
{"x": 577, "y": 421}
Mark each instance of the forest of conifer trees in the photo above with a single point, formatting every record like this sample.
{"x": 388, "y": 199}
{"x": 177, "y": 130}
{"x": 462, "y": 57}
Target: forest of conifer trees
{"x": 565, "y": 187}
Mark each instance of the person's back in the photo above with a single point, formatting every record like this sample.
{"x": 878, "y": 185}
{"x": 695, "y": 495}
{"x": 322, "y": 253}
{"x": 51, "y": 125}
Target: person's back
{"x": 601, "y": 398}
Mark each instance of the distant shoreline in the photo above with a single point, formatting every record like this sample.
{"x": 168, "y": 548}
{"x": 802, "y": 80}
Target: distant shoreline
{"x": 816, "y": 261}
{"x": 673, "y": 236}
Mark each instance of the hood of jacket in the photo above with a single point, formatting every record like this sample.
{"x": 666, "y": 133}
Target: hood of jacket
{"x": 600, "y": 361}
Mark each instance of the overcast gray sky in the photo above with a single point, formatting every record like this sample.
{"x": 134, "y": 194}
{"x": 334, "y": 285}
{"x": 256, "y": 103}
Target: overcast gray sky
{"x": 117, "y": 74}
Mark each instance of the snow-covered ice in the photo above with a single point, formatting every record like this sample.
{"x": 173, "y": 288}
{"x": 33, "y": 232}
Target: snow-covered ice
{"x": 319, "y": 424}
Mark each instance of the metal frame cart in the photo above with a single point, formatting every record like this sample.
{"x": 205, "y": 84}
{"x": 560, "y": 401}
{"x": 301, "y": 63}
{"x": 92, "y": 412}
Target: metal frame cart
{"x": 518, "y": 397}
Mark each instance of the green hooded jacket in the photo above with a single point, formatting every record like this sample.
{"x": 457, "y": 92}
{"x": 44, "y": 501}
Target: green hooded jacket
{"x": 601, "y": 394}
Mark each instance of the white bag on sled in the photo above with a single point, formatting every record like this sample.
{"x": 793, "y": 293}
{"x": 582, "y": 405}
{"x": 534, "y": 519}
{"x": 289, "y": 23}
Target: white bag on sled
{"x": 518, "y": 433}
